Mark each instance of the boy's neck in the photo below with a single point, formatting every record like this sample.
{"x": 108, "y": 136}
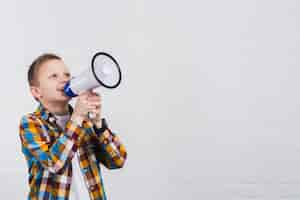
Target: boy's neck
{"x": 57, "y": 108}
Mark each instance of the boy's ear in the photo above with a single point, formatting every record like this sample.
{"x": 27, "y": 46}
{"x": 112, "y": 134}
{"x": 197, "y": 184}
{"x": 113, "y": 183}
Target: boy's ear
{"x": 36, "y": 92}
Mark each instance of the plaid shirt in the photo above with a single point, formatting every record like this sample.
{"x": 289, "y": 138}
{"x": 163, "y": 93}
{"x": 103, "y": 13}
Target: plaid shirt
{"x": 49, "y": 151}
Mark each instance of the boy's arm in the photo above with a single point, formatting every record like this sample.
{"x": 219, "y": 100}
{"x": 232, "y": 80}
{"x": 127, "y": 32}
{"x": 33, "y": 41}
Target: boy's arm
{"x": 52, "y": 158}
{"x": 108, "y": 148}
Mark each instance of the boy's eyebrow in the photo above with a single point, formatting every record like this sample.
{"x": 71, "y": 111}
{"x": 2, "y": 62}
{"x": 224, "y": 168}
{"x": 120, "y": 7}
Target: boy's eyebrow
{"x": 65, "y": 73}
{"x": 58, "y": 72}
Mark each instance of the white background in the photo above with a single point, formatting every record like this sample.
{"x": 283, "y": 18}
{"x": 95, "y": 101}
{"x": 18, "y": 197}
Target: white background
{"x": 209, "y": 104}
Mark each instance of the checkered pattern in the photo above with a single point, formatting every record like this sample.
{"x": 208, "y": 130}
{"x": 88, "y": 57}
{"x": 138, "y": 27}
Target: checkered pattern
{"x": 49, "y": 150}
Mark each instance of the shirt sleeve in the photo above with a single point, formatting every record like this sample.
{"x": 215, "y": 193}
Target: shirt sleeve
{"x": 108, "y": 148}
{"x": 34, "y": 140}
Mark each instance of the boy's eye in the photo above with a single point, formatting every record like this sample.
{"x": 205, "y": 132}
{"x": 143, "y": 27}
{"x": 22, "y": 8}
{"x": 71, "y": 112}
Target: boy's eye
{"x": 68, "y": 75}
{"x": 53, "y": 76}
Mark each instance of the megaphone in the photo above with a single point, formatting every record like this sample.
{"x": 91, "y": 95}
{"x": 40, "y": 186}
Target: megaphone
{"x": 104, "y": 71}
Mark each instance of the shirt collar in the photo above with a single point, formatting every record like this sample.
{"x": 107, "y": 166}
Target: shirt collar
{"x": 47, "y": 115}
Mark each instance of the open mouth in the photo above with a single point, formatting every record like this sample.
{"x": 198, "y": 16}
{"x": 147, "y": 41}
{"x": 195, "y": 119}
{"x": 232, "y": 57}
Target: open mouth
{"x": 61, "y": 91}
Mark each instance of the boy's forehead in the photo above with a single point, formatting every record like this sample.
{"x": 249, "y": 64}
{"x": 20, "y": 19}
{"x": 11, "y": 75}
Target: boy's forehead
{"x": 53, "y": 65}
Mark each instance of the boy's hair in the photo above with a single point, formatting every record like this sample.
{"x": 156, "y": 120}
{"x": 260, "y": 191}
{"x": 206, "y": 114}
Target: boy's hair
{"x": 36, "y": 64}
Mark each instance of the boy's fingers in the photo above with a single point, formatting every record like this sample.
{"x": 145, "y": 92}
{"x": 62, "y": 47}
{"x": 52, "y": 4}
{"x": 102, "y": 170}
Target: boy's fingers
{"x": 94, "y": 105}
{"x": 95, "y": 93}
{"x": 94, "y": 98}
{"x": 83, "y": 94}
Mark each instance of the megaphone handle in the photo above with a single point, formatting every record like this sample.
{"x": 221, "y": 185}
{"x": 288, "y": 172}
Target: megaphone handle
{"x": 91, "y": 115}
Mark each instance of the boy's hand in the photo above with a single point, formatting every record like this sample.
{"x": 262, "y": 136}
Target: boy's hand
{"x": 88, "y": 101}
{"x": 94, "y": 100}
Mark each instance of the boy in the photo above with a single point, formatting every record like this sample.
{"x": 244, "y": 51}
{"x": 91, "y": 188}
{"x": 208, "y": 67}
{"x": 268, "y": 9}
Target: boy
{"x": 62, "y": 146}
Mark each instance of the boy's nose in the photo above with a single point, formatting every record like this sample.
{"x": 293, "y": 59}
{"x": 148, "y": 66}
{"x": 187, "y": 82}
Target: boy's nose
{"x": 64, "y": 80}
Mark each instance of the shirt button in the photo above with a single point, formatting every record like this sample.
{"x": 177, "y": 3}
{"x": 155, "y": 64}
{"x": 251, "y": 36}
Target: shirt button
{"x": 51, "y": 119}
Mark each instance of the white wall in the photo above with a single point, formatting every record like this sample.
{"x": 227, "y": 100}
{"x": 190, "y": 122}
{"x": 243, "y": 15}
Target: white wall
{"x": 209, "y": 104}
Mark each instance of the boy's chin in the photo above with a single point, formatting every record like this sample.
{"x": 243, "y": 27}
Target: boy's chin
{"x": 66, "y": 99}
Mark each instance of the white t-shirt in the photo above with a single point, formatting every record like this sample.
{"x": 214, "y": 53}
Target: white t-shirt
{"x": 79, "y": 189}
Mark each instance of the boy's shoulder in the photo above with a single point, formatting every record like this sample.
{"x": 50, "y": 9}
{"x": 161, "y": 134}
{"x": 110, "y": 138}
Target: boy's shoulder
{"x": 28, "y": 117}
{"x": 31, "y": 116}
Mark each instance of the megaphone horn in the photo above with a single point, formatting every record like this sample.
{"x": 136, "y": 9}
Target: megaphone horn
{"x": 104, "y": 71}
